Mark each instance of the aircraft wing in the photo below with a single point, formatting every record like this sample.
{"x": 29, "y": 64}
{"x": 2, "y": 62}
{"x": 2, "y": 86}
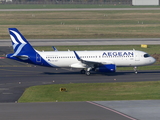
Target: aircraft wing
{"x": 92, "y": 63}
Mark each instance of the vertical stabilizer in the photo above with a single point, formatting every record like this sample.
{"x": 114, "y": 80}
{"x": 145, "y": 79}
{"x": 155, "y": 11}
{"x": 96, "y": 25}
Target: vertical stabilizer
{"x": 20, "y": 44}
{"x": 23, "y": 51}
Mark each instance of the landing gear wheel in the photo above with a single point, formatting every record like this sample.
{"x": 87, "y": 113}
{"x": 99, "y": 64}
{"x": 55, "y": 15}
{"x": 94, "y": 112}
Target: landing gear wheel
{"x": 83, "y": 71}
{"x": 88, "y": 73}
{"x": 135, "y": 70}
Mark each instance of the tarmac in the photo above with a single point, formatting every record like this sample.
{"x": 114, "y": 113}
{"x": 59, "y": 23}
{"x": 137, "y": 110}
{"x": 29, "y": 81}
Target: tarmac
{"x": 65, "y": 42}
{"x": 15, "y": 77}
{"x": 140, "y": 109}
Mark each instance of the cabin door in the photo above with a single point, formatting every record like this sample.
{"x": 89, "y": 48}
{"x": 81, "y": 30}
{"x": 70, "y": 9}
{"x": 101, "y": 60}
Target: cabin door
{"x": 38, "y": 58}
{"x": 137, "y": 58}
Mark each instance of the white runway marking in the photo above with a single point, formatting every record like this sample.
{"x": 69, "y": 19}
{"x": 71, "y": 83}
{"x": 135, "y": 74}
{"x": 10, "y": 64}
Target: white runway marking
{"x": 111, "y": 110}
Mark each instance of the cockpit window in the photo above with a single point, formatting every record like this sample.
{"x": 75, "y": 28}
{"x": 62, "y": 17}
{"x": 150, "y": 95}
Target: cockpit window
{"x": 146, "y": 55}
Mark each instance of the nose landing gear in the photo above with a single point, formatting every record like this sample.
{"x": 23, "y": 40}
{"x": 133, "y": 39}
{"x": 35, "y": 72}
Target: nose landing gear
{"x": 135, "y": 70}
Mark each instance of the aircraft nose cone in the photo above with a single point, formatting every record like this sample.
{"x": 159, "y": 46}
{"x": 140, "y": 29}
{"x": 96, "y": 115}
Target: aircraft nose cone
{"x": 153, "y": 60}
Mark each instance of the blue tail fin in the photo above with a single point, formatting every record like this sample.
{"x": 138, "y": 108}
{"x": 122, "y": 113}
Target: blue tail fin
{"x": 20, "y": 45}
{"x": 23, "y": 51}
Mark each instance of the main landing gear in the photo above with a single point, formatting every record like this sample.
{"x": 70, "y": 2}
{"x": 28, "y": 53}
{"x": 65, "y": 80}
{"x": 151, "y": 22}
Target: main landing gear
{"x": 87, "y": 71}
{"x": 83, "y": 71}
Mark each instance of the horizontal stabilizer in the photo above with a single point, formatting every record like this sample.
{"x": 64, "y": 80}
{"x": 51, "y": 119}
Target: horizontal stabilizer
{"x": 22, "y": 57}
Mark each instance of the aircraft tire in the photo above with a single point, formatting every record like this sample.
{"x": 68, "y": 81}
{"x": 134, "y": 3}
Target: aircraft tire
{"x": 83, "y": 71}
{"x": 88, "y": 73}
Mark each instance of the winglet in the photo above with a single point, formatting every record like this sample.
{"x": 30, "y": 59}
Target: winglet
{"x": 54, "y": 48}
{"x": 77, "y": 56}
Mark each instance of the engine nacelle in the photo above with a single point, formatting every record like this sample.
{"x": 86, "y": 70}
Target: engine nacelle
{"x": 107, "y": 68}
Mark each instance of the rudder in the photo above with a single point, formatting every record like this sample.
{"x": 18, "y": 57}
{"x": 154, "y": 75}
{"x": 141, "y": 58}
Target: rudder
{"x": 19, "y": 43}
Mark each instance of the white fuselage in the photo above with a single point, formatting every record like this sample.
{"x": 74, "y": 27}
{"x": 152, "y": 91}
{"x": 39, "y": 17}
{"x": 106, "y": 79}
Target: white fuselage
{"x": 118, "y": 57}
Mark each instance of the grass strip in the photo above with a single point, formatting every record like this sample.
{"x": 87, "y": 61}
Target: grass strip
{"x": 65, "y": 6}
{"x": 93, "y": 92}
{"x": 82, "y": 24}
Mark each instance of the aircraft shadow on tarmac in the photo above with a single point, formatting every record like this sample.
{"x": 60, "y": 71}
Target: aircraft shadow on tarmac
{"x": 92, "y": 74}
{"x": 106, "y": 74}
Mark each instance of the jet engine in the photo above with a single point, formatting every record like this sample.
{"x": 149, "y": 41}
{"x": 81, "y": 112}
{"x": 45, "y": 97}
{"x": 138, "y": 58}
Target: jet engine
{"x": 107, "y": 68}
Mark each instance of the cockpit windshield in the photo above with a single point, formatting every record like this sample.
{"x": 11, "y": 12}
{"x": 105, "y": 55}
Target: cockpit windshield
{"x": 146, "y": 55}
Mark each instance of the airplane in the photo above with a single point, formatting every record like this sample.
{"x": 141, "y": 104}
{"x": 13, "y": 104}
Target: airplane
{"x": 102, "y": 61}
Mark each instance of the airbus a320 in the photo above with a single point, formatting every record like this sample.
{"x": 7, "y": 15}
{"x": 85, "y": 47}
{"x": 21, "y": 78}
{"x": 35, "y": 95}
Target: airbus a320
{"x": 103, "y": 61}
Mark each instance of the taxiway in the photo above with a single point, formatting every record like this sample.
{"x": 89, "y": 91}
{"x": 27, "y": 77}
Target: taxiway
{"x": 15, "y": 77}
